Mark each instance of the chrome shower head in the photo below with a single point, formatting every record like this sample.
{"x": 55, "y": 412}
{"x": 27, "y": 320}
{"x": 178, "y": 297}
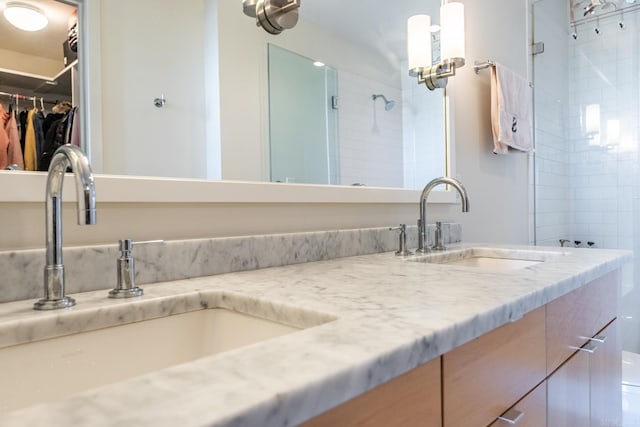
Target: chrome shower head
{"x": 388, "y": 105}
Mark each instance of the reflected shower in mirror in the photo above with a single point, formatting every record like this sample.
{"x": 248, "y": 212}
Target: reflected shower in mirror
{"x": 210, "y": 65}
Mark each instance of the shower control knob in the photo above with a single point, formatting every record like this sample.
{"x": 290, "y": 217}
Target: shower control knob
{"x": 577, "y": 243}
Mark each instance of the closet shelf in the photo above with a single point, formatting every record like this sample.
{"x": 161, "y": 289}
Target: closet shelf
{"x": 60, "y": 83}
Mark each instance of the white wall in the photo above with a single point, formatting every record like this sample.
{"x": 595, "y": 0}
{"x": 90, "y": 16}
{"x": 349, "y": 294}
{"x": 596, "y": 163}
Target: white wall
{"x": 497, "y": 185}
{"x": 141, "y": 60}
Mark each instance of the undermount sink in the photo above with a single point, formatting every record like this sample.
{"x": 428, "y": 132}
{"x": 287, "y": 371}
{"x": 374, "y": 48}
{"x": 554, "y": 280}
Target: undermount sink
{"x": 489, "y": 258}
{"x": 54, "y": 368}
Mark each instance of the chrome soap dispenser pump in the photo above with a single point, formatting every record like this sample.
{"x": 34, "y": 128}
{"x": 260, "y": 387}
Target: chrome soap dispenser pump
{"x": 126, "y": 287}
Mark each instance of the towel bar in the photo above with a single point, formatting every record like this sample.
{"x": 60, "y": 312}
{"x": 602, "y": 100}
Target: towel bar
{"x": 477, "y": 65}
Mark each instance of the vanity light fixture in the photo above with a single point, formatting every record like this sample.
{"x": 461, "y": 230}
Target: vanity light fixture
{"x": 25, "y": 16}
{"x": 274, "y": 16}
{"x": 452, "y": 46}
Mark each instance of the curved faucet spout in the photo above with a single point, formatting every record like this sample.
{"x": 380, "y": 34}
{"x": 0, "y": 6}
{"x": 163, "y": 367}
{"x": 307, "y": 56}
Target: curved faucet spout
{"x": 422, "y": 226}
{"x": 64, "y": 157}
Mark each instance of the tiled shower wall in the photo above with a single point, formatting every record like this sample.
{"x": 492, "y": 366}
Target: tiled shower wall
{"x": 370, "y": 137}
{"x": 587, "y": 173}
{"x": 603, "y": 71}
{"x": 605, "y": 175}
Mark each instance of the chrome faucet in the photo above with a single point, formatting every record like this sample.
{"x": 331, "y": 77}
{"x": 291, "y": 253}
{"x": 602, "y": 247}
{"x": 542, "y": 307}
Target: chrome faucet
{"x": 65, "y": 156}
{"x": 422, "y": 225}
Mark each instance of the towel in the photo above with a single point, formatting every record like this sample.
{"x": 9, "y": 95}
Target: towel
{"x": 511, "y": 111}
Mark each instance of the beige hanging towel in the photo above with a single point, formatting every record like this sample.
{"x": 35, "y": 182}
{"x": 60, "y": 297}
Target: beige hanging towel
{"x": 511, "y": 111}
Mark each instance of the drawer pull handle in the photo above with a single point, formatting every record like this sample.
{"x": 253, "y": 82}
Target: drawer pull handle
{"x": 598, "y": 338}
{"x": 512, "y": 416}
{"x": 589, "y": 348}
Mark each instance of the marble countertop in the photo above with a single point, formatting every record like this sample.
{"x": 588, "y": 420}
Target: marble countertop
{"x": 367, "y": 318}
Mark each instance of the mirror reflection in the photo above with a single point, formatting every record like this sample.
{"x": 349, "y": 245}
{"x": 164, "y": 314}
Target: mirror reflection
{"x": 38, "y": 78}
{"x": 211, "y": 65}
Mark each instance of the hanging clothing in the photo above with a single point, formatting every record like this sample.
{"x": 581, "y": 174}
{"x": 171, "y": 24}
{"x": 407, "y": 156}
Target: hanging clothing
{"x": 75, "y": 129}
{"x": 57, "y": 135}
{"x": 10, "y": 152}
{"x": 38, "y": 122}
{"x": 49, "y": 120}
{"x": 30, "y": 151}
{"x": 4, "y": 148}
{"x": 14, "y": 151}
{"x": 22, "y": 125}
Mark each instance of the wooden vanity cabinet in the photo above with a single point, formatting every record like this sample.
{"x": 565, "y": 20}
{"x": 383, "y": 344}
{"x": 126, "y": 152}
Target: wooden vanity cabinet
{"x": 532, "y": 365}
{"x": 532, "y": 409}
{"x": 486, "y": 376}
{"x": 606, "y": 376}
{"x": 586, "y": 389}
{"x": 410, "y": 400}
{"x": 568, "y": 393}
{"x": 578, "y": 315}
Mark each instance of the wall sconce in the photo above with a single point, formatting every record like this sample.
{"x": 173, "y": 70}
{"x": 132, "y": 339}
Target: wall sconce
{"x": 452, "y": 47}
{"x": 25, "y": 17}
{"x": 274, "y": 16}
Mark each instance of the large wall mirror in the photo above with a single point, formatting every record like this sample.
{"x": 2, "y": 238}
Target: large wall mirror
{"x": 221, "y": 81}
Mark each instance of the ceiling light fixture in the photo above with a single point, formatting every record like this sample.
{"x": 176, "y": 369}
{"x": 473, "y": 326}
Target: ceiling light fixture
{"x": 25, "y": 16}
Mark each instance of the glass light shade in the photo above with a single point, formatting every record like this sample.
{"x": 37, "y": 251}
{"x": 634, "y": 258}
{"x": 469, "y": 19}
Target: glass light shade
{"x": 25, "y": 17}
{"x": 452, "y": 48}
{"x": 419, "y": 42}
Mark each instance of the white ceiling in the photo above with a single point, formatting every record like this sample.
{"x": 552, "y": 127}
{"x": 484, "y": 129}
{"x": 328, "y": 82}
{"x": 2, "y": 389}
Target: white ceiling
{"x": 45, "y": 43}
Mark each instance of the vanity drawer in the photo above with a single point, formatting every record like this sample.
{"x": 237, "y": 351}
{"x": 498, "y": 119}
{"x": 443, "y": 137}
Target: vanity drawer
{"x": 486, "y": 376}
{"x": 580, "y": 314}
{"x": 532, "y": 409}
{"x": 410, "y": 400}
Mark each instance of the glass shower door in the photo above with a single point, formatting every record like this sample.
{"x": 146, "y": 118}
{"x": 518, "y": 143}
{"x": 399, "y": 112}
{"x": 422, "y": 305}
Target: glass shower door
{"x": 302, "y": 119}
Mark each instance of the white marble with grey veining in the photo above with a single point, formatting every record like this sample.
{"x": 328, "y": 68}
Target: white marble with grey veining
{"x": 375, "y": 316}
{"x": 89, "y": 268}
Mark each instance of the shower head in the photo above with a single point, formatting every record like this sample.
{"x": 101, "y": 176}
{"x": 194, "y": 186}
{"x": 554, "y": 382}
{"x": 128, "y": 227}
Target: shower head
{"x": 388, "y": 105}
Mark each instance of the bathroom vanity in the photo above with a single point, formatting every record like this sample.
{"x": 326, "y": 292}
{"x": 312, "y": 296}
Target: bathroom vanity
{"x": 371, "y": 340}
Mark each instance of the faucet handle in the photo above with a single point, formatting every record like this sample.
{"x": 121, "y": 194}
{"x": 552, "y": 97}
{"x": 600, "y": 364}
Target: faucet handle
{"x": 438, "y": 245}
{"x": 402, "y": 240}
{"x": 126, "y": 287}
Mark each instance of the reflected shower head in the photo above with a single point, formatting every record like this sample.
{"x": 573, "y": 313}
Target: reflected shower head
{"x": 388, "y": 105}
